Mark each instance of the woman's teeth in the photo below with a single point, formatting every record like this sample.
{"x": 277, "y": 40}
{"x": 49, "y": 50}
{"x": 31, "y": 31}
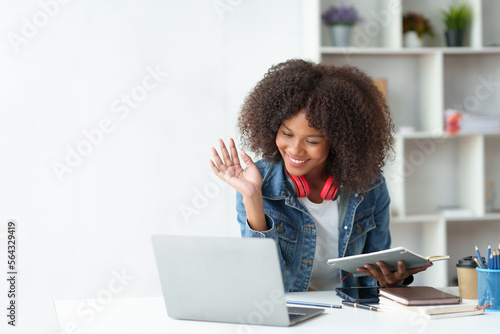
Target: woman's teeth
{"x": 297, "y": 161}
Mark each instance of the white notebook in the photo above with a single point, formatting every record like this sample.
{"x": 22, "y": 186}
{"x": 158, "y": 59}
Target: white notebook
{"x": 389, "y": 256}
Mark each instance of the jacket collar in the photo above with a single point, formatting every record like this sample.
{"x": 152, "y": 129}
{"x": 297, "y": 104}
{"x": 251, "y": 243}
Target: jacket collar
{"x": 275, "y": 183}
{"x": 274, "y": 179}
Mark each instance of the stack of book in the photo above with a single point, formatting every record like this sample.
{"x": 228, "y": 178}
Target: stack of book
{"x": 426, "y": 301}
{"x": 479, "y": 123}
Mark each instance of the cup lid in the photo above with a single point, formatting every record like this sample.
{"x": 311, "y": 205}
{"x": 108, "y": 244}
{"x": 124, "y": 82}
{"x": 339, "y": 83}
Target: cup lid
{"x": 467, "y": 262}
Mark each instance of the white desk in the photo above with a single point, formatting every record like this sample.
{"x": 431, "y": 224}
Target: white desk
{"x": 148, "y": 316}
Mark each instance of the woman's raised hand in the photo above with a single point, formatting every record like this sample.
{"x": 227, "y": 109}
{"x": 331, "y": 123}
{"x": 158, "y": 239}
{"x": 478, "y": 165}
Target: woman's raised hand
{"x": 247, "y": 182}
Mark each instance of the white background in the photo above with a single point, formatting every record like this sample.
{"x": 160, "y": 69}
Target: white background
{"x": 63, "y": 71}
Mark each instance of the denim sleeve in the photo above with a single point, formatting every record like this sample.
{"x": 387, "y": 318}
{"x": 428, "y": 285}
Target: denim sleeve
{"x": 380, "y": 237}
{"x": 246, "y": 230}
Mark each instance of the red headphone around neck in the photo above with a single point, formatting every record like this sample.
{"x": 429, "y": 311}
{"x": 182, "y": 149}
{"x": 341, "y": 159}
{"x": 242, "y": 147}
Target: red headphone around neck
{"x": 300, "y": 187}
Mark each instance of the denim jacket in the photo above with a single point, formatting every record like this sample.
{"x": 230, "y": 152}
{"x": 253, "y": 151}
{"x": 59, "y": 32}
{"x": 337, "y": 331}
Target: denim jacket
{"x": 363, "y": 226}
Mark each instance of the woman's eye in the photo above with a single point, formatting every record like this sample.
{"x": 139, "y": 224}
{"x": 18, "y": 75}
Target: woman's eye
{"x": 286, "y": 134}
{"x": 312, "y": 142}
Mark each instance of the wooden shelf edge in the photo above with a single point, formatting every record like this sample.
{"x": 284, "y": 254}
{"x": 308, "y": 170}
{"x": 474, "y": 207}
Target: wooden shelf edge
{"x": 437, "y": 217}
{"x": 331, "y": 50}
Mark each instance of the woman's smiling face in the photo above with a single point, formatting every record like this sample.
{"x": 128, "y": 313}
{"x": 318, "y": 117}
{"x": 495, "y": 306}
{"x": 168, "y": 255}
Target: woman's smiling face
{"x": 303, "y": 148}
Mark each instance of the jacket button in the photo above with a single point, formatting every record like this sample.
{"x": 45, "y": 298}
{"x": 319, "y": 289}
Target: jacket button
{"x": 280, "y": 228}
{"x": 359, "y": 229}
{"x": 345, "y": 227}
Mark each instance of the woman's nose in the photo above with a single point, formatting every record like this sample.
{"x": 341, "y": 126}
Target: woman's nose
{"x": 295, "y": 148}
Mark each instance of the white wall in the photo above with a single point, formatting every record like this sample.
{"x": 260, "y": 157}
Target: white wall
{"x": 67, "y": 68}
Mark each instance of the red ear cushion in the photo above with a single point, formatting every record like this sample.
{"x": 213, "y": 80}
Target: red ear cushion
{"x": 301, "y": 185}
{"x": 330, "y": 189}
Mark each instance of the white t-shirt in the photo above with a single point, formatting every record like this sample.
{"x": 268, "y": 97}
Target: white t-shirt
{"x": 326, "y": 217}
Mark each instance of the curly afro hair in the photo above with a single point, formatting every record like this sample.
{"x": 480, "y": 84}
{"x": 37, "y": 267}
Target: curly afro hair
{"x": 339, "y": 101}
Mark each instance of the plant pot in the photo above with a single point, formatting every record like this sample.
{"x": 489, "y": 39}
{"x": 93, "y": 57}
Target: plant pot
{"x": 341, "y": 35}
{"x": 411, "y": 40}
{"x": 454, "y": 37}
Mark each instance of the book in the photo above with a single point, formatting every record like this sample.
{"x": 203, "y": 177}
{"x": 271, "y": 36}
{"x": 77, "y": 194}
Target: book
{"x": 419, "y": 296}
{"x": 389, "y": 304}
{"x": 389, "y": 256}
{"x": 454, "y": 314}
{"x": 431, "y": 311}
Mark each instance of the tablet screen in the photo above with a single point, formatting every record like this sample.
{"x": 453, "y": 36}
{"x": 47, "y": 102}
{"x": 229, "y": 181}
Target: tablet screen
{"x": 359, "y": 294}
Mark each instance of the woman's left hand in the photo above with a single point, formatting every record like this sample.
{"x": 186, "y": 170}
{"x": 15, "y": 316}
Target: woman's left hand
{"x": 387, "y": 278}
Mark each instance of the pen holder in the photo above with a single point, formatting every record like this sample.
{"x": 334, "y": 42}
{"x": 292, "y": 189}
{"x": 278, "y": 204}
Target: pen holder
{"x": 488, "y": 288}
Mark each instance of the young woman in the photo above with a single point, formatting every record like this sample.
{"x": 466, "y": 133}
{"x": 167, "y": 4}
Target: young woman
{"x": 323, "y": 133}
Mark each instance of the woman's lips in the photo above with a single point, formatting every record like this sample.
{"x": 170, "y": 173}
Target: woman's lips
{"x": 297, "y": 163}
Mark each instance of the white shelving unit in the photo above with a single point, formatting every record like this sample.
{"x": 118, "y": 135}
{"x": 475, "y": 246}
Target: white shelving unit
{"x": 431, "y": 171}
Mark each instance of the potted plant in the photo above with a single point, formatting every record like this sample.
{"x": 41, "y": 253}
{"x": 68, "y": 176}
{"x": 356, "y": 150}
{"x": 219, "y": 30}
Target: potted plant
{"x": 457, "y": 19}
{"x": 340, "y": 20}
{"x": 415, "y": 26}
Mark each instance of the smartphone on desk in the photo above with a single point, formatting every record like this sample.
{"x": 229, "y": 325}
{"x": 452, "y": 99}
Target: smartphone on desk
{"x": 358, "y": 294}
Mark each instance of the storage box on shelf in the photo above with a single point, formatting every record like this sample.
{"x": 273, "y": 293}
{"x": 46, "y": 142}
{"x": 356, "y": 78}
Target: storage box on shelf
{"x": 432, "y": 173}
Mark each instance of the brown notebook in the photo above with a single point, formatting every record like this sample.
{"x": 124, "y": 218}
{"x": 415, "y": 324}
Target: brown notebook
{"x": 419, "y": 296}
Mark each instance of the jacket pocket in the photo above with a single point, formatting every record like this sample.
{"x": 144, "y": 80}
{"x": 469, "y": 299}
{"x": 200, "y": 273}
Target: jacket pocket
{"x": 288, "y": 236}
{"x": 363, "y": 223}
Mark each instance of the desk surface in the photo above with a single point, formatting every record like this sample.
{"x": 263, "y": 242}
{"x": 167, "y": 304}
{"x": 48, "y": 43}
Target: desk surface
{"x": 148, "y": 316}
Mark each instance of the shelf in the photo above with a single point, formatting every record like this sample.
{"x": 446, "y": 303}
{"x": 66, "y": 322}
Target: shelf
{"x": 441, "y": 135}
{"x": 408, "y": 51}
{"x": 415, "y": 219}
{"x": 378, "y": 51}
{"x": 489, "y": 217}
{"x": 427, "y": 218}
{"x": 430, "y": 169}
{"x": 471, "y": 51}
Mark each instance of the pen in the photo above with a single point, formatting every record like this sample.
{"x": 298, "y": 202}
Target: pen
{"x": 313, "y": 304}
{"x": 361, "y": 306}
{"x": 478, "y": 263}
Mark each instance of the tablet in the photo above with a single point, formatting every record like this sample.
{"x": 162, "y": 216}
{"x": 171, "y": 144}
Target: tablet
{"x": 358, "y": 294}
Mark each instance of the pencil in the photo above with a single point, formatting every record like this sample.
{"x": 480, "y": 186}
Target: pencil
{"x": 482, "y": 307}
{"x": 493, "y": 259}
{"x": 489, "y": 258}
{"x": 497, "y": 259}
{"x": 343, "y": 278}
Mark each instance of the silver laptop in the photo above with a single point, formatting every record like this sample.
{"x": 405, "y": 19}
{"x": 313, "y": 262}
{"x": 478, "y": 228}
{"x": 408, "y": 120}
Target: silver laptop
{"x": 236, "y": 280}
